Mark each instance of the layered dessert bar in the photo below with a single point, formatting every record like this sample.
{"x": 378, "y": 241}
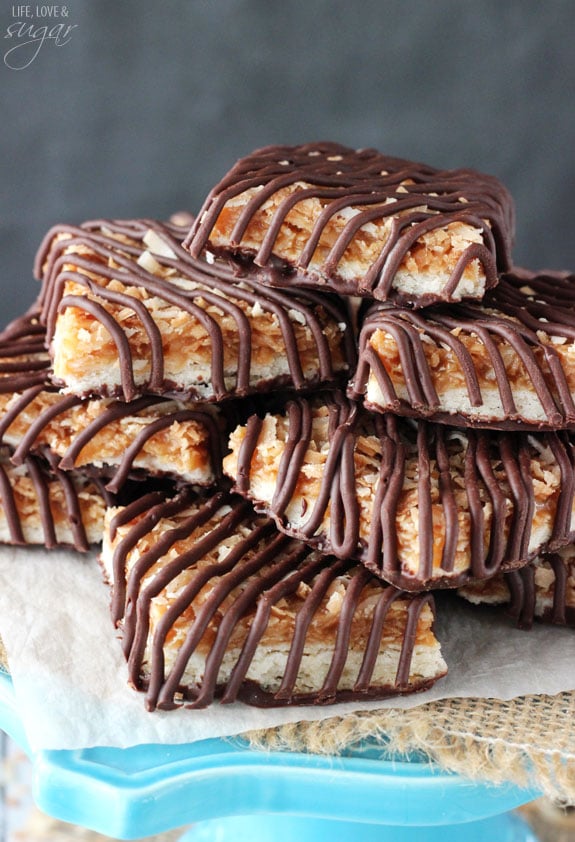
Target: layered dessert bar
{"x": 42, "y": 505}
{"x": 421, "y": 505}
{"x": 508, "y": 362}
{"x": 544, "y": 590}
{"x": 359, "y": 222}
{"x": 213, "y": 602}
{"x": 129, "y": 312}
{"x": 150, "y": 436}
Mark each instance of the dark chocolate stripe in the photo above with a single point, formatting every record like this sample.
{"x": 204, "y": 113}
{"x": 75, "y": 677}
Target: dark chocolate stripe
{"x": 19, "y": 406}
{"x": 559, "y": 610}
{"x": 166, "y": 541}
{"x": 25, "y": 332}
{"x": 449, "y": 506}
{"x": 328, "y": 691}
{"x": 24, "y": 362}
{"x": 424, "y": 506}
{"x": 269, "y": 576}
{"x": 299, "y": 433}
{"x": 284, "y": 588}
{"x": 302, "y": 623}
{"x": 382, "y": 548}
{"x": 477, "y": 528}
{"x": 36, "y": 427}
{"x": 523, "y": 593}
{"x": 414, "y": 610}
{"x": 497, "y": 538}
{"x": 44, "y": 476}
{"x": 180, "y": 416}
{"x": 155, "y": 507}
{"x": 384, "y": 603}
{"x": 43, "y": 499}
{"x": 564, "y": 454}
{"x": 110, "y": 412}
{"x": 136, "y": 638}
{"x": 119, "y": 338}
{"x": 521, "y": 488}
{"x": 344, "y": 507}
{"x": 73, "y": 510}
{"x": 133, "y": 510}
{"x": 229, "y": 565}
{"x": 9, "y": 508}
{"x": 233, "y": 576}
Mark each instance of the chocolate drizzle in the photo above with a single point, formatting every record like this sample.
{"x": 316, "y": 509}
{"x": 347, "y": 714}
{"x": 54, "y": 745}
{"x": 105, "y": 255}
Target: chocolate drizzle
{"x": 112, "y": 411}
{"x": 24, "y": 373}
{"x": 416, "y": 198}
{"x": 26, "y": 376}
{"x": 43, "y": 475}
{"x": 110, "y": 258}
{"x": 523, "y": 593}
{"x": 497, "y": 475}
{"x": 513, "y": 314}
{"x": 24, "y": 360}
{"x": 252, "y": 577}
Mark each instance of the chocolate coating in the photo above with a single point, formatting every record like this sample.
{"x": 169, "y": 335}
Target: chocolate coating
{"x": 276, "y": 570}
{"x": 404, "y": 443}
{"x": 522, "y": 304}
{"x": 220, "y": 284}
{"x": 367, "y": 181}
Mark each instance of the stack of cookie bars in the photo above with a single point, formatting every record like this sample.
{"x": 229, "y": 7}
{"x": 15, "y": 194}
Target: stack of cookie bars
{"x": 293, "y": 418}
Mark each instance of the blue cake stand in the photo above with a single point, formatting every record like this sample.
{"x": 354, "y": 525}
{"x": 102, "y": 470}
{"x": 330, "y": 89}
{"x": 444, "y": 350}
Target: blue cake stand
{"x": 231, "y": 793}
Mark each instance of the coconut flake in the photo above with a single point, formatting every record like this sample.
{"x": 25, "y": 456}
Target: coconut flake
{"x": 157, "y": 244}
{"x": 149, "y": 263}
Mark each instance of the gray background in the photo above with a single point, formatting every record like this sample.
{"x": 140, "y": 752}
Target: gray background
{"x": 150, "y": 103}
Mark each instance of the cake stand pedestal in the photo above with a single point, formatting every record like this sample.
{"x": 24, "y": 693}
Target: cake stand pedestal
{"x": 231, "y": 793}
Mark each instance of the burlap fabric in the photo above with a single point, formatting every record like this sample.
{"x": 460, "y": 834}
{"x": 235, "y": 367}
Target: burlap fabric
{"x": 529, "y": 740}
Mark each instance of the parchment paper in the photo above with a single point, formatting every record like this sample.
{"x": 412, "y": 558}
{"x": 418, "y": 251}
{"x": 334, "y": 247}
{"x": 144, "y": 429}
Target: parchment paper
{"x": 70, "y": 677}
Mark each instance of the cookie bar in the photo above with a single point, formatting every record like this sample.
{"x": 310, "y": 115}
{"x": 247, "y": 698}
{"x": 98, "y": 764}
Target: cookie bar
{"x": 128, "y": 311}
{"x": 214, "y": 603}
{"x": 543, "y": 590}
{"x": 359, "y": 222}
{"x": 508, "y": 362}
{"x": 40, "y": 504}
{"x": 421, "y": 505}
{"x": 150, "y": 435}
